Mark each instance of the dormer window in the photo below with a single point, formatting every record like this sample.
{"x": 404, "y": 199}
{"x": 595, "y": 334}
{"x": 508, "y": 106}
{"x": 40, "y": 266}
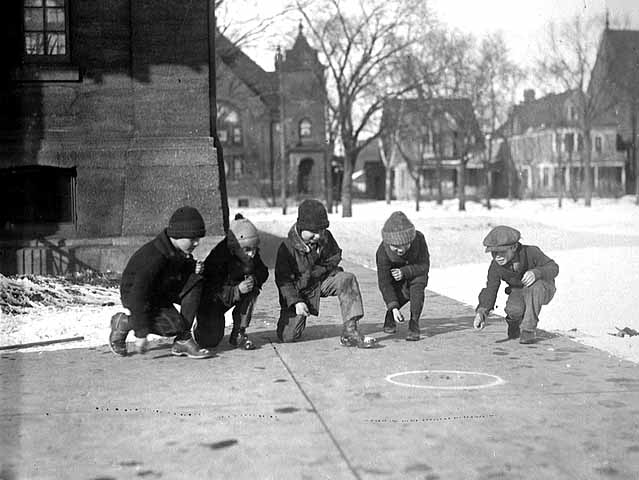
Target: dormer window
{"x": 306, "y": 128}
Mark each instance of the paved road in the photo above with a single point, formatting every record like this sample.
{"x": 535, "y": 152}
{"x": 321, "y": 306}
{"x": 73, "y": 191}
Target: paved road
{"x": 316, "y": 410}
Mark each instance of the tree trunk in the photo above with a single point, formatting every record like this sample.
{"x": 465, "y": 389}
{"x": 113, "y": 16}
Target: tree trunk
{"x": 347, "y": 183}
{"x": 328, "y": 178}
{"x": 388, "y": 189}
{"x": 417, "y": 191}
{"x": 461, "y": 185}
{"x": 587, "y": 172}
{"x": 633, "y": 152}
{"x": 489, "y": 183}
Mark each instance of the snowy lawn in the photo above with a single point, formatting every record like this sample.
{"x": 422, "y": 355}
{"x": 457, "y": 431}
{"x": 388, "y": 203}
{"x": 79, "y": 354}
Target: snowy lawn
{"x": 597, "y": 250}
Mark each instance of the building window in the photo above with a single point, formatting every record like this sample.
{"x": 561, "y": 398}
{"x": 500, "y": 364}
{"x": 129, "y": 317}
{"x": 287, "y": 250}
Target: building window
{"x": 557, "y": 144}
{"x": 569, "y": 142}
{"x": 573, "y": 113}
{"x": 37, "y": 195}
{"x": 580, "y": 142}
{"x": 46, "y": 34}
{"x": 229, "y": 124}
{"x": 235, "y": 167}
{"x": 305, "y": 128}
{"x": 598, "y": 144}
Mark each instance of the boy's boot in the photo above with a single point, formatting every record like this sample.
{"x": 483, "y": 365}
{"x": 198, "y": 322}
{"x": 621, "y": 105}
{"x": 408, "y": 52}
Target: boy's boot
{"x": 527, "y": 337}
{"x": 185, "y": 345}
{"x": 352, "y": 338}
{"x": 119, "y": 331}
{"x": 513, "y": 328}
{"x": 390, "y": 326}
{"x": 239, "y": 338}
{"x": 413, "y": 331}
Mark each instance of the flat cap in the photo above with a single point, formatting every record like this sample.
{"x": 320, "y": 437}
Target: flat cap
{"x": 501, "y": 237}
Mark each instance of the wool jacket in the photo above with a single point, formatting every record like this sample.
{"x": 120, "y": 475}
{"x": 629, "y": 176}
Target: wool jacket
{"x": 153, "y": 278}
{"x": 414, "y": 265}
{"x": 301, "y": 269}
{"x": 225, "y": 267}
{"x": 527, "y": 257}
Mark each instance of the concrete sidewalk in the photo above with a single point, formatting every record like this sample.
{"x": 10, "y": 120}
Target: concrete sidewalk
{"x": 316, "y": 410}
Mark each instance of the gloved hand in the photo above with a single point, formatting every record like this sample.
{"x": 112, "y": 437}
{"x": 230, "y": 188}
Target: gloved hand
{"x": 480, "y": 321}
{"x": 302, "y": 309}
{"x": 141, "y": 345}
{"x": 397, "y": 315}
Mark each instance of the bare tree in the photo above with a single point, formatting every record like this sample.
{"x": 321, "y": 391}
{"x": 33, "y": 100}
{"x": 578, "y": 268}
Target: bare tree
{"x": 496, "y": 79}
{"x": 568, "y": 59}
{"x": 359, "y": 44}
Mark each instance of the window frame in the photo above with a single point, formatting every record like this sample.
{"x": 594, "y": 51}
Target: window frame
{"x": 301, "y": 129}
{"x": 46, "y": 58}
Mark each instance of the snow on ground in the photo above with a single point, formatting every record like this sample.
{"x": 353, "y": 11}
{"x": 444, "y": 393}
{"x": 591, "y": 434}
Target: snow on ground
{"x": 597, "y": 250}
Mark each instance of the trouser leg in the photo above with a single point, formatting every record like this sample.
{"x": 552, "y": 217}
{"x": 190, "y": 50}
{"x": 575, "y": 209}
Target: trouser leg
{"x": 344, "y": 285}
{"x": 243, "y": 311}
{"x": 416, "y": 298}
{"x": 290, "y": 326}
{"x": 209, "y": 328}
{"x": 538, "y": 294}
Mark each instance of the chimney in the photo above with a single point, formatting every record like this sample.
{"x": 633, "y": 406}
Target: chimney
{"x": 529, "y": 95}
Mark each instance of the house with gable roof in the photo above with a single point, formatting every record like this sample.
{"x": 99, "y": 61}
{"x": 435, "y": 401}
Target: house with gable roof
{"x": 615, "y": 75}
{"x": 428, "y": 131}
{"x": 248, "y": 122}
{"x": 545, "y": 146}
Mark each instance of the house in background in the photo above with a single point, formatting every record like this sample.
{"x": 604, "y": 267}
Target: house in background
{"x": 248, "y": 122}
{"x": 546, "y": 147}
{"x": 615, "y": 78}
{"x": 429, "y": 133}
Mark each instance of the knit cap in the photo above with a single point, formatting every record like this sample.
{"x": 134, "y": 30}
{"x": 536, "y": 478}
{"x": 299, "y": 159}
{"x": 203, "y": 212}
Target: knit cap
{"x": 398, "y": 229}
{"x": 186, "y": 222}
{"x": 312, "y": 216}
{"x": 244, "y": 231}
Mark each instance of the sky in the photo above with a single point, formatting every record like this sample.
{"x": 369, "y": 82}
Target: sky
{"x": 521, "y": 21}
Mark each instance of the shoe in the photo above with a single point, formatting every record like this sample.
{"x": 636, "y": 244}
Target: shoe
{"x": 352, "y": 338}
{"x": 412, "y": 336}
{"x": 527, "y": 337}
{"x": 190, "y": 349}
{"x": 246, "y": 343}
{"x": 119, "y": 331}
{"x": 513, "y": 328}
{"x": 390, "y": 328}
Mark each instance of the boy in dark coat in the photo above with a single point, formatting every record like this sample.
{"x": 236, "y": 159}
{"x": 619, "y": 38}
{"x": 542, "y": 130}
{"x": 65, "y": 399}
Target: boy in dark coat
{"x": 307, "y": 268}
{"x": 403, "y": 263}
{"x": 530, "y": 276}
{"x": 234, "y": 274}
{"x": 162, "y": 273}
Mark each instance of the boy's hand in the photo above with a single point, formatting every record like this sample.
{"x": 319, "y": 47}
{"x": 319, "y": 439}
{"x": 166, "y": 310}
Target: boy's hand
{"x": 397, "y": 315}
{"x": 480, "y": 321}
{"x": 141, "y": 345}
{"x": 529, "y": 278}
{"x": 301, "y": 309}
{"x": 247, "y": 285}
{"x": 397, "y": 274}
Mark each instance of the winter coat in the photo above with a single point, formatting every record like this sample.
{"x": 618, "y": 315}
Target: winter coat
{"x": 153, "y": 278}
{"x": 527, "y": 257}
{"x": 225, "y": 267}
{"x": 414, "y": 266}
{"x": 300, "y": 269}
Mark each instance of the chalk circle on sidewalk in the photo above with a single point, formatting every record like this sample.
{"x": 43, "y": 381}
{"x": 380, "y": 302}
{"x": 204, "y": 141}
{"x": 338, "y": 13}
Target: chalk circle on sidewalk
{"x": 445, "y": 379}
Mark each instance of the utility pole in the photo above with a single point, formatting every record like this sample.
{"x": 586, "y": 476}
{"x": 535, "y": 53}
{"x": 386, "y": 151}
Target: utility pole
{"x": 279, "y": 61}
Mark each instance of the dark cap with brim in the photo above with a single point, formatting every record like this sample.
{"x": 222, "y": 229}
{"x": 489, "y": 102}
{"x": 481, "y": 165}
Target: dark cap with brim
{"x": 501, "y": 238}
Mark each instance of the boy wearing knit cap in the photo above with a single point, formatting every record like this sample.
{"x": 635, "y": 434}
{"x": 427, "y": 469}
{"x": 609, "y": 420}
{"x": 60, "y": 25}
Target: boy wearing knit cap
{"x": 158, "y": 275}
{"x": 233, "y": 277}
{"x": 403, "y": 263}
{"x": 307, "y": 268}
{"x": 530, "y": 276}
